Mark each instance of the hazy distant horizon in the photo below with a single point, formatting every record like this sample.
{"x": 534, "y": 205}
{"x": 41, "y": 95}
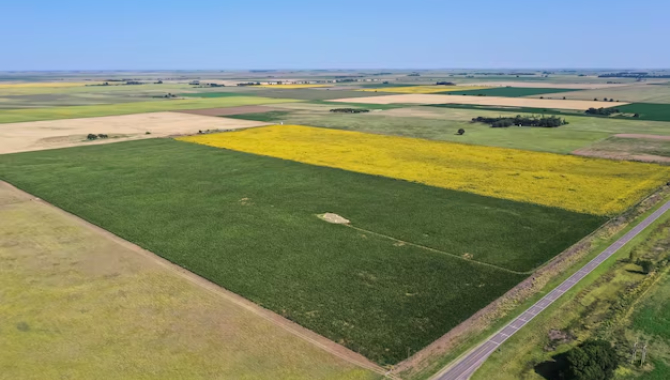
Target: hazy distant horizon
{"x": 537, "y": 69}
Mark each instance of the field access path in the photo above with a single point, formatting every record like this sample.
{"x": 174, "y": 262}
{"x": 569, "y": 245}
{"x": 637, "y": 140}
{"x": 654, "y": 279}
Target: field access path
{"x": 468, "y": 364}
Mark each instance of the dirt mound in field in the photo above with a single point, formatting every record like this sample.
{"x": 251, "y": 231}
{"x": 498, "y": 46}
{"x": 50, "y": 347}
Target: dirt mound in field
{"x": 334, "y": 218}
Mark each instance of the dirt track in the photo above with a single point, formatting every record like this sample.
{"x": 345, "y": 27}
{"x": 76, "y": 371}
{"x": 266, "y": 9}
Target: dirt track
{"x": 480, "y": 100}
{"x": 40, "y": 135}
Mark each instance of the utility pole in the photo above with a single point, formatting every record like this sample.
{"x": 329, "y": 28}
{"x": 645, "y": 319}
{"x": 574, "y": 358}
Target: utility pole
{"x": 632, "y": 359}
{"x": 644, "y": 353}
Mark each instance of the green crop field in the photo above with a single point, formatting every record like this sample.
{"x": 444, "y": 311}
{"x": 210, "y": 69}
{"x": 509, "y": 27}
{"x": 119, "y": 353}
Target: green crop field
{"x": 512, "y": 92}
{"x": 249, "y": 224}
{"x": 52, "y": 113}
{"x": 648, "y": 111}
{"x": 211, "y": 94}
{"x": 270, "y": 116}
{"x": 70, "y": 293}
{"x": 292, "y": 93}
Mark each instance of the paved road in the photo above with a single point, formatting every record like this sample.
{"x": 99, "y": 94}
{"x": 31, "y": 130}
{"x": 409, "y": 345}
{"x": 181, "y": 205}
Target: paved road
{"x": 468, "y": 364}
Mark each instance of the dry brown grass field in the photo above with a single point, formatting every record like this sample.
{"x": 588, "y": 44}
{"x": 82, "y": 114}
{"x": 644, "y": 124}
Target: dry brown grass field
{"x": 40, "y": 135}
{"x": 479, "y": 100}
{"x": 79, "y": 303}
{"x": 630, "y": 146}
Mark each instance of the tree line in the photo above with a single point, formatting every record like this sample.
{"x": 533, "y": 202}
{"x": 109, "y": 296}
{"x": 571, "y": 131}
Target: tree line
{"x": 520, "y": 121}
{"x": 602, "y": 111}
{"x": 349, "y": 110}
{"x": 641, "y": 74}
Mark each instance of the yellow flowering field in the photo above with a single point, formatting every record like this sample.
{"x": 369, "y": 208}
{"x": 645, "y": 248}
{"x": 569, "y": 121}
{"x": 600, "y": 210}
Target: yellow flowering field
{"x": 581, "y": 184}
{"x": 423, "y": 89}
{"x": 290, "y": 86}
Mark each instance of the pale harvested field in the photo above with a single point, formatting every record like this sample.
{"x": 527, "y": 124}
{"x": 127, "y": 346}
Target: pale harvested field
{"x": 423, "y": 89}
{"x": 79, "y": 303}
{"x": 50, "y": 134}
{"x": 479, "y": 100}
{"x": 291, "y": 86}
{"x": 229, "y": 110}
{"x": 584, "y": 86}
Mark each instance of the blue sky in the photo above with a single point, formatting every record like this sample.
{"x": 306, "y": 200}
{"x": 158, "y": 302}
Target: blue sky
{"x": 254, "y": 34}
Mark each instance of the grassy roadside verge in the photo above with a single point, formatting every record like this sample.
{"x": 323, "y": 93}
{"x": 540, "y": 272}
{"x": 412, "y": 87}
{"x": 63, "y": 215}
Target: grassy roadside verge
{"x": 601, "y": 239}
{"x": 591, "y": 309}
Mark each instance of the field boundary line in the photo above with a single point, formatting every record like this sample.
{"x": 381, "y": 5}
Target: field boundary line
{"x": 270, "y": 316}
{"x": 437, "y": 251}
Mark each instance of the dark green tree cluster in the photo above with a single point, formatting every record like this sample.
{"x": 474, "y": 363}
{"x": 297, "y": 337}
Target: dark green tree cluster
{"x": 92, "y": 136}
{"x": 591, "y": 360}
{"x": 248, "y": 84}
{"x": 445, "y": 83}
{"x": 602, "y": 111}
{"x": 349, "y": 110}
{"x": 520, "y": 121}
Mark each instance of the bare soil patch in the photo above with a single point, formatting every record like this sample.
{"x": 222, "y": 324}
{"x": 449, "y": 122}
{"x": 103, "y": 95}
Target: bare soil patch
{"x": 230, "y": 111}
{"x": 630, "y": 147}
{"x": 641, "y": 136}
{"x": 51, "y": 134}
{"x": 614, "y": 155}
{"x": 479, "y": 100}
{"x": 334, "y": 218}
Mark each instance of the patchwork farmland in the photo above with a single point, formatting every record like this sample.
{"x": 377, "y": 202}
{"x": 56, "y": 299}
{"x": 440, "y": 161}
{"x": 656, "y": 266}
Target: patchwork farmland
{"x": 99, "y": 291}
{"x": 373, "y": 236}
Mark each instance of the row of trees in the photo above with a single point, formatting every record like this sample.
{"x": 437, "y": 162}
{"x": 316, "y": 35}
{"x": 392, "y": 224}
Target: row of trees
{"x": 521, "y": 121}
{"x": 602, "y": 111}
{"x": 349, "y": 110}
{"x": 640, "y": 74}
{"x": 445, "y": 83}
{"x": 92, "y": 136}
{"x": 249, "y": 84}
